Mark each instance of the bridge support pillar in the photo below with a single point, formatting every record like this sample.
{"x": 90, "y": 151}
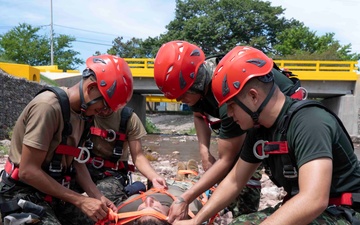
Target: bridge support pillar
{"x": 347, "y": 108}
{"x": 138, "y": 103}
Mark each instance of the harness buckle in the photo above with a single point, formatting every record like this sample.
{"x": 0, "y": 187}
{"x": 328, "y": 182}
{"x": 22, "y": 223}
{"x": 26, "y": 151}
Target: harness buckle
{"x": 55, "y": 169}
{"x": 118, "y": 151}
{"x": 66, "y": 181}
{"x": 289, "y": 171}
{"x": 80, "y": 158}
{"x": 97, "y": 162}
{"x": 116, "y": 165}
{"x": 89, "y": 144}
{"x": 111, "y": 135}
{"x": 263, "y": 155}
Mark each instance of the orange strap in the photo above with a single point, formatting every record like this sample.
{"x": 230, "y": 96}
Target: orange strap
{"x": 123, "y": 218}
{"x": 143, "y": 195}
{"x": 188, "y": 172}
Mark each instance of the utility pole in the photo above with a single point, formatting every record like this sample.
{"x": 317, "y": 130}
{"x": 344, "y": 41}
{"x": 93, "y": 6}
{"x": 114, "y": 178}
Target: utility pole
{"x": 51, "y": 36}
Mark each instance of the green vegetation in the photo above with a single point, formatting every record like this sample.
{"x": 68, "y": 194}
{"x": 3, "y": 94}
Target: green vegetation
{"x": 192, "y": 131}
{"x": 4, "y": 150}
{"x": 48, "y": 81}
{"x": 23, "y": 44}
{"x": 150, "y": 127}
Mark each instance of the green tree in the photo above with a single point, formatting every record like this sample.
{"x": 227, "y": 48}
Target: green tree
{"x": 135, "y": 47}
{"x": 299, "y": 43}
{"x": 24, "y": 44}
{"x": 219, "y": 25}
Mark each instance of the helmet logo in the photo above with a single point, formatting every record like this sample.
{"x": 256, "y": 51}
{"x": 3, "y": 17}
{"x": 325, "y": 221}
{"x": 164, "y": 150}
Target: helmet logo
{"x": 99, "y": 60}
{"x": 110, "y": 92}
{"x": 257, "y": 62}
{"x": 225, "y": 87}
{"x": 196, "y": 52}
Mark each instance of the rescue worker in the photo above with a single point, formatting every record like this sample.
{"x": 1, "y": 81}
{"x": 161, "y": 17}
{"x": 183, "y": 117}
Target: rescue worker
{"x": 152, "y": 206}
{"x": 181, "y": 73}
{"x": 304, "y": 147}
{"x": 111, "y": 138}
{"x": 44, "y": 159}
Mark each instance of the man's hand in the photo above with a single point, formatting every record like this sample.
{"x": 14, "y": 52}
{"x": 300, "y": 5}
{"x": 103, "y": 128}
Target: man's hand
{"x": 207, "y": 161}
{"x": 178, "y": 210}
{"x": 108, "y": 203}
{"x": 93, "y": 208}
{"x": 159, "y": 182}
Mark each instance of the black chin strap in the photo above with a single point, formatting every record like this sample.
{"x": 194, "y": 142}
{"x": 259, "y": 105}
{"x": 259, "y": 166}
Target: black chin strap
{"x": 255, "y": 115}
{"x": 84, "y": 105}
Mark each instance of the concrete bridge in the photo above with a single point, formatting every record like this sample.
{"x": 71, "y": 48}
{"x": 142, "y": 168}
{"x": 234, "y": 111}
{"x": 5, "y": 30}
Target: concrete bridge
{"x": 335, "y": 83}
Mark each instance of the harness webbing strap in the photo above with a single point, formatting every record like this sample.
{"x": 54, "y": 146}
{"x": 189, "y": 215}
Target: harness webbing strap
{"x": 68, "y": 150}
{"x": 107, "y": 134}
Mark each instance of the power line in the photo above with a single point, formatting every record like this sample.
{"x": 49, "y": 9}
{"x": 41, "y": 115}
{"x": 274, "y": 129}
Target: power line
{"x": 90, "y": 42}
{"x": 90, "y": 31}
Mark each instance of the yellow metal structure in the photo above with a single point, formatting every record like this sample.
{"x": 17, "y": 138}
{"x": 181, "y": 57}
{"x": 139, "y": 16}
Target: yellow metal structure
{"x": 144, "y": 67}
{"x": 21, "y": 70}
{"x": 305, "y": 70}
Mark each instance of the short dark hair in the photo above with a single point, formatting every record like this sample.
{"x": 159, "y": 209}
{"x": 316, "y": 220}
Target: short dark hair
{"x": 151, "y": 221}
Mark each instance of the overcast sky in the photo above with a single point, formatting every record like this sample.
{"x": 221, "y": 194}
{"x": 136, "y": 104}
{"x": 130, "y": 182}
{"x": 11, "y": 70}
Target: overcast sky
{"x": 96, "y": 23}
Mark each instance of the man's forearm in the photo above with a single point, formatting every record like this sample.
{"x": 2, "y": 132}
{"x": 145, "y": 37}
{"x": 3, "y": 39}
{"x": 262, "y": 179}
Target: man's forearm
{"x": 217, "y": 172}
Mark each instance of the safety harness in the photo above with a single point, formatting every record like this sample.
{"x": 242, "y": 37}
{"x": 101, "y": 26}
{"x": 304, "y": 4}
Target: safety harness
{"x": 263, "y": 149}
{"x": 11, "y": 176}
{"x": 114, "y": 163}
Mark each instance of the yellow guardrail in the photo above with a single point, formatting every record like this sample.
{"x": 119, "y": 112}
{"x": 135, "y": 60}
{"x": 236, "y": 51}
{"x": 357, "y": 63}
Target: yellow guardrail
{"x": 321, "y": 70}
{"x": 144, "y": 67}
{"x": 306, "y": 70}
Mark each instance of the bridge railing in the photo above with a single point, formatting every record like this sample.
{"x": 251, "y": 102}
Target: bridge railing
{"x": 321, "y": 70}
{"x": 306, "y": 70}
{"x": 141, "y": 67}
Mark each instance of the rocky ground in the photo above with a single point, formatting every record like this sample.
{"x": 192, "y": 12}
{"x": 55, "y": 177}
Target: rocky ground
{"x": 166, "y": 164}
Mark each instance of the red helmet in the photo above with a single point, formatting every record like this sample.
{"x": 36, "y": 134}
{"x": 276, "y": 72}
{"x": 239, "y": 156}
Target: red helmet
{"x": 114, "y": 79}
{"x": 175, "y": 67}
{"x": 236, "y": 68}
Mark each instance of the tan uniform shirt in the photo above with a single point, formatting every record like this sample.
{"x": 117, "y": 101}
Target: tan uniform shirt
{"x": 134, "y": 131}
{"x": 40, "y": 126}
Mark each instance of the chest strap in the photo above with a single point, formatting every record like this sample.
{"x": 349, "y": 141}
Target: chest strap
{"x": 213, "y": 125}
{"x": 262, "y": 149}
{"x": 108, "y": 134}
{"x": 98, "y": 162}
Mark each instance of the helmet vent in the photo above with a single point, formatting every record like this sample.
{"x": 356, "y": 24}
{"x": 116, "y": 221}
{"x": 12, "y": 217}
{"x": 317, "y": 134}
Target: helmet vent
{"x": 196, "y": 52}
{"x": 257, "y": 62}
{"x": 225, "y": 87}
{"x": 99, "y": 60}
{"x": 192, "y": 75}
{"x": 170, "y": 69}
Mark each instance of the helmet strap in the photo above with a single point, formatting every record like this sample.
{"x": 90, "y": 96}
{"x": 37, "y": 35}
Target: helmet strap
{"x": 202, "y": 80}
{"x": 84, "y": 106}
{"x": 255, "y": 115}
